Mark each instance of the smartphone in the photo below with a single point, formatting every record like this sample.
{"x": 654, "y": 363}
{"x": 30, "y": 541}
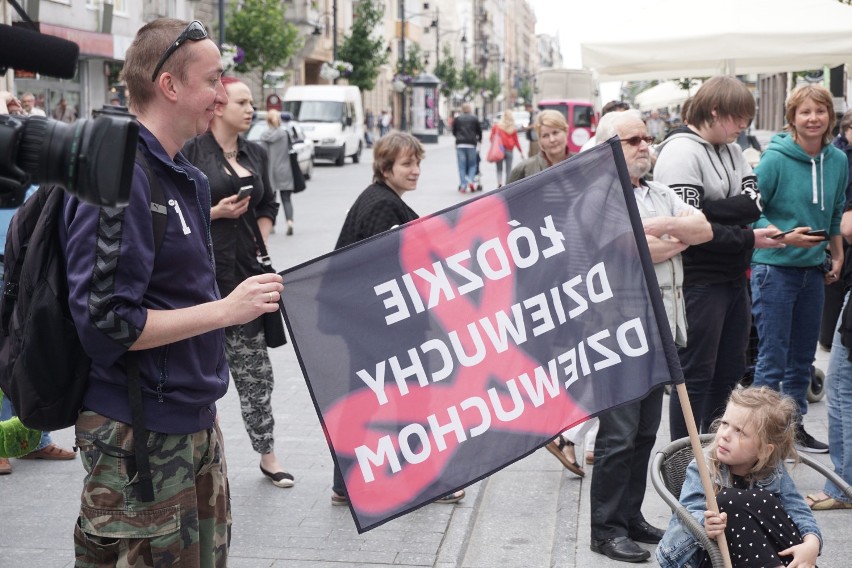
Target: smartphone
{"x": 244, "y": 192}
{"x": 779, "y": 235}
{"x": 818, "y": 233}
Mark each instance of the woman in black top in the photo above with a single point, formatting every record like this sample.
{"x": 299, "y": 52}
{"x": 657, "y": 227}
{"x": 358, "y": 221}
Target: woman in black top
{"x": 235, "y": 167}
{"x": 396, "y": 169}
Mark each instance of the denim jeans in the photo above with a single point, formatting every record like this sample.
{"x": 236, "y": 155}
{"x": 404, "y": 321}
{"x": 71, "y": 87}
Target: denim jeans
{"x": 467, "y": 165}
{"x": 786, "y": 299}
{"x": 7, "y": 412}
{"x": 839, "y": 400}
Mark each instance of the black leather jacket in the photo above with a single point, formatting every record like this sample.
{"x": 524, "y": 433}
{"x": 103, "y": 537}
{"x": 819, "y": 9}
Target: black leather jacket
{"x": 466, "y": 129}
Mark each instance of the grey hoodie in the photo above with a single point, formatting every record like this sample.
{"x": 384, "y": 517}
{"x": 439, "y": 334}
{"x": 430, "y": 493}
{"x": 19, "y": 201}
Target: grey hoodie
{"x": 277, "y": 143}
{"x": 718, "y": 181}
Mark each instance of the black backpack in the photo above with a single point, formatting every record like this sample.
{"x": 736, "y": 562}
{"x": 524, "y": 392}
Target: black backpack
{"x": 43, "y": 368}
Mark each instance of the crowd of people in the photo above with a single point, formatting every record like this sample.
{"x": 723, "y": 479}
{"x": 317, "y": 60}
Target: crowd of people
{"x": 707, "y": 216}
{"x": 780, "y": 233}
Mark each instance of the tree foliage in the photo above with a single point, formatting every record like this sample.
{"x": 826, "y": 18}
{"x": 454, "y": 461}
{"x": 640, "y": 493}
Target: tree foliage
{"x": 259, "y": 28}
{"x": 492, "y": 84}
{"x": 470, "y": 78}
{"x": 364, "y": 49}
{"x": 525, "y": 90}
{"x": 447, "y": 72}
{"x": 413, "y": 60}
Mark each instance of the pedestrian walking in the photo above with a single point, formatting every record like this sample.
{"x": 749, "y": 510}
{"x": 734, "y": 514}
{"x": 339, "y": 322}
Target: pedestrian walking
{"x": 505, "y": 135}
{"x": 278, "y": 143}
{"x": 369, "y": 125}
{"x": 468, "y": 134}
{"x": 384, "y": 123}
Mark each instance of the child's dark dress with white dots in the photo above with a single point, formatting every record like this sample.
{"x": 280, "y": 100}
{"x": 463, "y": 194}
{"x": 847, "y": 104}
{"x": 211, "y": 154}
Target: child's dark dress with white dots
{"x": 758, "y": 527}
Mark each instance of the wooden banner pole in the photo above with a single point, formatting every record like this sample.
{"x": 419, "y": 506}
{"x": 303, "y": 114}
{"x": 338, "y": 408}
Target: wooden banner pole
{"x": 712, "y": 505}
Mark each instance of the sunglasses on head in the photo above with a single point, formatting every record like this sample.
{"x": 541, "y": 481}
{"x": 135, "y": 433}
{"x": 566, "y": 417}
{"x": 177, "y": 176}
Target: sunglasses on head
{"x": 195, "y": 31}
{"x": 636, "y": 140}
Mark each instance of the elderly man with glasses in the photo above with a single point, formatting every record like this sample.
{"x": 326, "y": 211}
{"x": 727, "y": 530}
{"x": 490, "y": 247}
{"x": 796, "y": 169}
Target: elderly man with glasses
{"x": 157, "y": 495}
{"x": 627, "y": 434}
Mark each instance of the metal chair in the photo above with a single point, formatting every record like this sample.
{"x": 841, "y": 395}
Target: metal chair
{"x": 668, "y": 472}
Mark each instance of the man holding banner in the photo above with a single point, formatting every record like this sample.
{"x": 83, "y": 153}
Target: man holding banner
{"x": 627, "y": 434}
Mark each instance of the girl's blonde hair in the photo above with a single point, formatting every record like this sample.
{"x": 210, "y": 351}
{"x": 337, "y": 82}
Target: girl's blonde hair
{"x": 507, "y": 122}
{"x": 773, "y": 418}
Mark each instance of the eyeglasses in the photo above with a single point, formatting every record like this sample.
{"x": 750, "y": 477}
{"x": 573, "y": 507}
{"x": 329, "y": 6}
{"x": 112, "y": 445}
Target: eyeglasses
{"x": 194, "y": 31}
{"x": 636, "y": 140}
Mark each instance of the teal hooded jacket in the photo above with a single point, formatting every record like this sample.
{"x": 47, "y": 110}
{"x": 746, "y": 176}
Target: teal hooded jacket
{"x": 797, "y": 190}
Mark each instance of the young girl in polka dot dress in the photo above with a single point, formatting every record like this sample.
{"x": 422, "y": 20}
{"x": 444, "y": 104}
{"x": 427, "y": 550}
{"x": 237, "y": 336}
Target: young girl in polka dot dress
{"x": 766, "y": 521}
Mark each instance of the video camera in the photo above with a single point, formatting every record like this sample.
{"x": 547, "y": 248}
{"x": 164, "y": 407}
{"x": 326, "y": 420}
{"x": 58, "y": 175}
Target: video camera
{"x": 91, "y": 158}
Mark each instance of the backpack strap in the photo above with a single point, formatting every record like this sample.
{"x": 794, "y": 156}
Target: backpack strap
{"x": 159, "y": 217}
{"x": 140, "y": 433}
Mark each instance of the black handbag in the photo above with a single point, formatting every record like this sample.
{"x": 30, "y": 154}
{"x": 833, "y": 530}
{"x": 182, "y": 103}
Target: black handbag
{"x": 298, "y": 177}
{"x": 273, "y": 322}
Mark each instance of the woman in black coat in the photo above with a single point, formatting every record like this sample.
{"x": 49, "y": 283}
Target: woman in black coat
{"x": 235, "y": 167}
{"x": 396, "y": 170}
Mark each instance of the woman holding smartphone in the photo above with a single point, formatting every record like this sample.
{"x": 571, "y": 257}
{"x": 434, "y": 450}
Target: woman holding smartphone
{"x": 242, "y": 197}
{"x": 802, "y": 179}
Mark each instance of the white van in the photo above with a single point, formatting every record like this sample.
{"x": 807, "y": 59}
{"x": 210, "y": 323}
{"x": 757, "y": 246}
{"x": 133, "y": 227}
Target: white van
{"x": 332, "y": 116}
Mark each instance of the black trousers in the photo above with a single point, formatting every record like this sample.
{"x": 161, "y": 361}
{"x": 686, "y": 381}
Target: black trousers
{"x": 713, "y": 361}
{"x": 834, "y": 295}
{"x": 626, "y": 437}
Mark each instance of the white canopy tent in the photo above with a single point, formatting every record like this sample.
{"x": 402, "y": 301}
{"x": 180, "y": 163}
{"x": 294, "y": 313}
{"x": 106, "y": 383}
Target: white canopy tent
{"x": 663, "y": 39}
{"x": 663, "y": 95}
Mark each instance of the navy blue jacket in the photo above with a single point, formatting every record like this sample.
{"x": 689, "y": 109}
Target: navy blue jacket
{"x": 114, "y": 277}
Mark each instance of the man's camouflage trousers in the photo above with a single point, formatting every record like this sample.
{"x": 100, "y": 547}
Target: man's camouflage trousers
{"x": 189, "y": 522}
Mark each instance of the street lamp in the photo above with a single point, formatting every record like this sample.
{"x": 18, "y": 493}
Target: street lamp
{"x": 404, "y": 120}
{"x": 402, "y": 54}
{"x": 317, "y": 31}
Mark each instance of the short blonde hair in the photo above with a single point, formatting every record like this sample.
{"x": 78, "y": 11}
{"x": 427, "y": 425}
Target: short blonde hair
{"x": 552, "y": 119}
{"x": 818, "y": 94}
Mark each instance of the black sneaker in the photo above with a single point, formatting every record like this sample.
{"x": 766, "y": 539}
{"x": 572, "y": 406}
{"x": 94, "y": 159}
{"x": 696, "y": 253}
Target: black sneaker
{"x": 807, "y": 443}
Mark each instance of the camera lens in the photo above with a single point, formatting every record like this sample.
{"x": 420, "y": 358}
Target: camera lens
{"x": 92, "y": 159}
{"x": 49, "y": 151}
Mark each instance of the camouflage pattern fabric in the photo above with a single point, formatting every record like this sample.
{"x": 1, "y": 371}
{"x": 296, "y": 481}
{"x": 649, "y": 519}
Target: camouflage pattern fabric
{"x": 188, "y": 524}
{"x": 251, "y": 370}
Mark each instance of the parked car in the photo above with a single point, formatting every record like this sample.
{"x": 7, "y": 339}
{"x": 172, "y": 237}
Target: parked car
{"x": 303, "y": 145}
